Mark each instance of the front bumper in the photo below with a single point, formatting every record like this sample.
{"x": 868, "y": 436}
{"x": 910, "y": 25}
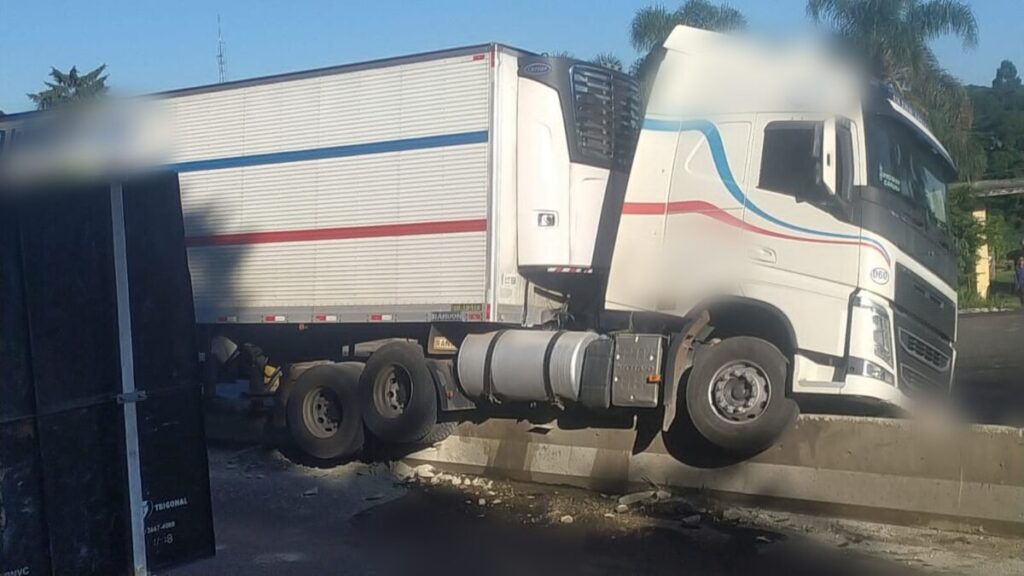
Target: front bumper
{"x": 894, "y": 361}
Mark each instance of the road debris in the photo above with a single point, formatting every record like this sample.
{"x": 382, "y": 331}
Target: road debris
{"x": 691, "y": 520}
{"x": 638, "y": 497}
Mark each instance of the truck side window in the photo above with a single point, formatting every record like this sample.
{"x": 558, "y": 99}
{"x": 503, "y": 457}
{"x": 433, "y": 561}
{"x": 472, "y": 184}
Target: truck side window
{"x": 789, "y": 163}
{"x": 844, "y": 162}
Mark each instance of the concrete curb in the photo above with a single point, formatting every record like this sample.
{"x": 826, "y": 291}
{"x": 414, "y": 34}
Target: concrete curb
{"x": 986, "y": 310}
{"x": 887, "y": 470}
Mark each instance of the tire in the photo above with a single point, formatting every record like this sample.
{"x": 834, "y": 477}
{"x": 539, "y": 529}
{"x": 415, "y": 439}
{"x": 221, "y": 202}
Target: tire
{"x": 736, "y": 395}
{"x": 399, "y": 399}
{"x": 438, "y": 432}
{"x": 323, "y": 414}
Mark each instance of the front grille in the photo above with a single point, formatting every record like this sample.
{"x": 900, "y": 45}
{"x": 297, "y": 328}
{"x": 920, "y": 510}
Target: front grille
{"x": 923, "y": 351}
{"x": 606, "y": 106}
{"x": 915, "y": 383}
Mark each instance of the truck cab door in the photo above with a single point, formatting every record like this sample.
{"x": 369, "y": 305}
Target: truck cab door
{"x": 802, "y": 246}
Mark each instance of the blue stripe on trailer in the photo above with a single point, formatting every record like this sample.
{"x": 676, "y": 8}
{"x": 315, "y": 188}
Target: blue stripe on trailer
{"x": 403, "y": 145}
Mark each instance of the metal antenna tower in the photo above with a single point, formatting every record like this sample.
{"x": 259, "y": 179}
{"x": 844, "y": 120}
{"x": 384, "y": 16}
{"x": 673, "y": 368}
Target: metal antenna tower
{"x": 221, "y": 64}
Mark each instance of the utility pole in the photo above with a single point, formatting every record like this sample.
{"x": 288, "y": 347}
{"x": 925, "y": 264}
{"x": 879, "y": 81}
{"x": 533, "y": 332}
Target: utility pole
{"x": 221, "y": 64}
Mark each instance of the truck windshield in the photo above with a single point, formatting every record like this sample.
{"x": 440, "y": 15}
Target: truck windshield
{"x": 903, "y": 163}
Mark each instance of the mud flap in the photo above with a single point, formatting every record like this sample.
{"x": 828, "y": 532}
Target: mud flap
{"x": 679, "y": 359}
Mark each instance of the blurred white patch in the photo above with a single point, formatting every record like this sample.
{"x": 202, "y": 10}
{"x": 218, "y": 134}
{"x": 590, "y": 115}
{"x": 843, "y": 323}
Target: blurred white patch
{"x": 110, "y": 138}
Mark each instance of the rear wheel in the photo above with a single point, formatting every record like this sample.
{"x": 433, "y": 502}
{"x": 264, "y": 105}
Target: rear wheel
{"x": 399, "y": 398}
{"x": 323, "y": 415}
{"x": 438, "y": 432}
{"x": 736, "y": 395}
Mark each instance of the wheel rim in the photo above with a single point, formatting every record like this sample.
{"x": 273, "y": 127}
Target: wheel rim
{"x": 321, "y": 413}
{"x": 391, "y": 391}
{"x": 740, "y": 391}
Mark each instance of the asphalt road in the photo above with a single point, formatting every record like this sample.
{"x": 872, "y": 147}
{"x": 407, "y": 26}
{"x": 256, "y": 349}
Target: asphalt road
{"x": 276, "y": 518}
{"x": 990, "y": 367}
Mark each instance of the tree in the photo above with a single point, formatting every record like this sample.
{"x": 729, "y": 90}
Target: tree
{"x": 893, "y": 36}
{"x": 608, "y": 60}
{"x": 1006, "y": 77}
{"x": 651, "y": 26}
{"x": 967, "y": 233}
{"x": 999, "y": 130}
{"x": 70, "y": 87}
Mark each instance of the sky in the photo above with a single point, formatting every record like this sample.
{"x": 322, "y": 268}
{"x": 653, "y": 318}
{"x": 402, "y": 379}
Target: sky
{"x": 151, "y": 46}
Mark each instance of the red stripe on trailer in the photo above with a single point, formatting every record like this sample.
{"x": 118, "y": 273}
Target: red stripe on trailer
{"x": 346, "y": 233}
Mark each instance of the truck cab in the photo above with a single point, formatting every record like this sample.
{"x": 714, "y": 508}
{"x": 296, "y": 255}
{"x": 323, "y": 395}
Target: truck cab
{"x": 795, "y": 202}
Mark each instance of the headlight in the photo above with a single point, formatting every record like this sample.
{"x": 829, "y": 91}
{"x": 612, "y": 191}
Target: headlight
{"x": 882, "y": 333}
{"x": 867, "y": 368}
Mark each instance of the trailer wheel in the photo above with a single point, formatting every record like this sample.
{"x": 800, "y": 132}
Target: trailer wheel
{"x": 736, "y": 395}
{"x": 398, "y": 395}
{"x": 323, "y": 414}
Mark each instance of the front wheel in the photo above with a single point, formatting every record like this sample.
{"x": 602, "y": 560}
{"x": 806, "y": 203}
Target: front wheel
{"x": 736, "y": 395}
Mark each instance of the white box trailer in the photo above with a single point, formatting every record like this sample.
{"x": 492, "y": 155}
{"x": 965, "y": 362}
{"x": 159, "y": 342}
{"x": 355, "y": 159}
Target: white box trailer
{"x": 389, "y": 191}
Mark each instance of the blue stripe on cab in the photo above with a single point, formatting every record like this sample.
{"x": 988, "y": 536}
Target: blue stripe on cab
{"x": 718, "y": 155}
{"x": 421, "y": 143}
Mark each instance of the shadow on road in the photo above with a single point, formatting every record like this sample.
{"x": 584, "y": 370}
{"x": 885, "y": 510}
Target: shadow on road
{"x": 438, "y": 532}
{"x": 274, "y": 517}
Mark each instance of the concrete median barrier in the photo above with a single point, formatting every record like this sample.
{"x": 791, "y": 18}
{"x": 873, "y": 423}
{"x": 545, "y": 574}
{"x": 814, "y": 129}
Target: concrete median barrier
{"x": 889, "y": 470}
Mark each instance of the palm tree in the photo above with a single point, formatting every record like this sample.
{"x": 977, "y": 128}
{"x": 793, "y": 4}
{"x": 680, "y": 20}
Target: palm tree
{"x": 652, "y": 25}
{"x": 608, "y": 60}
{"x": 893, "y": 36}
{"x": 68, "y": 87}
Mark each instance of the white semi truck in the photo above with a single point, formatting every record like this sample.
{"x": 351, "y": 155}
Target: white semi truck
{"x": 521, "y": 234}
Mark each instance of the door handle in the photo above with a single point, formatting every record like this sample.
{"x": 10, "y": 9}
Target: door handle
{"x": 763, "y": 254}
